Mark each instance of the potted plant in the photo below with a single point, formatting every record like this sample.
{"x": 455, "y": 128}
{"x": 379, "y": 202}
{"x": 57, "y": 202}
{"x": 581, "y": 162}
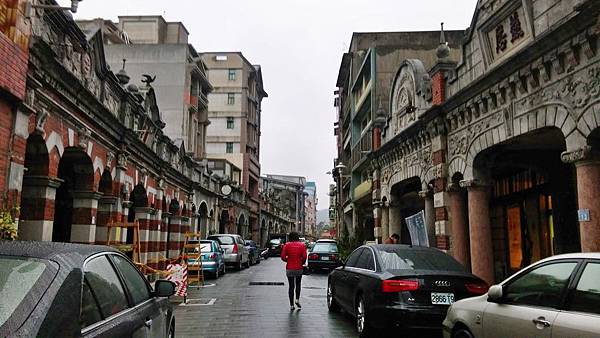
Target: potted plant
{"x": 8, "y": 225}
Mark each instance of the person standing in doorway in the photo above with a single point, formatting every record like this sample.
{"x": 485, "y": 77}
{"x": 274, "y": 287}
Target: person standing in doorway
{"x": 294, "y": 254}
{"x": 393, "y": 239}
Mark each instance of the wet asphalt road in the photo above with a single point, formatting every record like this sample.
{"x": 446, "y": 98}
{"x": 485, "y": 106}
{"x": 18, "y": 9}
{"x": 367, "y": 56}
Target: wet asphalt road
{"x": 230, "y": 307}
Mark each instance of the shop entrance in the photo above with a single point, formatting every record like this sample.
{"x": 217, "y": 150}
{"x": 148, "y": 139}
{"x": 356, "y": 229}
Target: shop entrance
{"x": 533, "y": 205}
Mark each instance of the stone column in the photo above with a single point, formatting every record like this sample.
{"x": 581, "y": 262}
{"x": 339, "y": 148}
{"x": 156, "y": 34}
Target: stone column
{"x": 395, "y": 219}
{"x": 37, "y": 208}
{"x": 587, "y": 167}
{"x": 480, "y": 231}
{"x": 142, "y": 215}
{"x": 107, "y": 212}
{"x": 429, "y": 216}
{"x": 175, "y": 237}
{"x": 459, "y": 243}
{"x": 163, "y": 245}
{"x": 385, "y": 222}
{"x": 85, "y": 208}
{"x": 354, "y": 227}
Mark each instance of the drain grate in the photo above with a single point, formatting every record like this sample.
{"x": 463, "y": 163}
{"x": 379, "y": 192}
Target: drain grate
{"x": 267, "y": 283}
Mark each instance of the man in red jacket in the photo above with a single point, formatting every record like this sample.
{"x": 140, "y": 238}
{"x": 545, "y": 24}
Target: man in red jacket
{"x": 294, "y": 253}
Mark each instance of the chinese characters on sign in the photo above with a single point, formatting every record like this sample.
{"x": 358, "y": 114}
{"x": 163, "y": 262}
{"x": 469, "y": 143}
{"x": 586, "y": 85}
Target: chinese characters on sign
{"x": 417, "y": 229}
{"x": 507, "y": 34}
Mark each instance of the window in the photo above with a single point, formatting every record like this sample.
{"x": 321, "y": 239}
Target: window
{"x": 230, "y": 98}
{"x": 229, "y": 147}
{"x": 231, "y": 75}
{"x": 90, "y": 312}
{"x": 353, "y": 258}
{"x": 230, "y": 123}
{"x": 586, "y": 296}
{"x": 223, "y": 240}
{"x": 105, "y": 286}
{"x": 366, "y": 260}
{"x": 542, "y": 286}
{"x": 426, "y": 259}
{"x": 325, "y": 247}
{"x": 137, "y": 286}
{"x": 21, "y": 285}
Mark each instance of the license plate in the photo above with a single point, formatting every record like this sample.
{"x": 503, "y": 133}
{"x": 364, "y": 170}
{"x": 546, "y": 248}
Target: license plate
{"x": 324, "y": 258}
{"x": 438, "y": 298}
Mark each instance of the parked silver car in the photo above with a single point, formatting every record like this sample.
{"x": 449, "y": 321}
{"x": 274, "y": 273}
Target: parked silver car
{"x": 235, "y": 253}
{"x": 555, "y": 297}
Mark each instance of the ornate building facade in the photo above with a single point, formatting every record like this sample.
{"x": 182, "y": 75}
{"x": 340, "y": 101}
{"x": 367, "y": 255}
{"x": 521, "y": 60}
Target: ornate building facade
{"x": 500, "y": 147}
{"x": 94, "y": 151}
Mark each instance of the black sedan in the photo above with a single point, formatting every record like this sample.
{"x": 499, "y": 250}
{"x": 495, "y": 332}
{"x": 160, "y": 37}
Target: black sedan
{"x": 399, "y": 286}
{"x": 324, "y": 255}
{"x": 74, "y": 290}
{"x": 275, "y": 245}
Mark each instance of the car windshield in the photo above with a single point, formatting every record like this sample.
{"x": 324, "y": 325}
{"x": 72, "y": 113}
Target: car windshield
{"x": 407, "y": 259}
{"x": 224, "y": 240}
{"x": 325, "y": 247}
{"x": 18, "y": 276}
{"x": 205, "y": 247}
{"x": 275, "y": 241}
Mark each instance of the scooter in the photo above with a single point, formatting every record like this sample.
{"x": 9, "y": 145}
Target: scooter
{"x": 265, "y": 253}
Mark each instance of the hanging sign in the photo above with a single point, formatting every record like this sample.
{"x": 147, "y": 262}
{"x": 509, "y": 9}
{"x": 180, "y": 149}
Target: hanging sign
{"x": 417, "y": 229}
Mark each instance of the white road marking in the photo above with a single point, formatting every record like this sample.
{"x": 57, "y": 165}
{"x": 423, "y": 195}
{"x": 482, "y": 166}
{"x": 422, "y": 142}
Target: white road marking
{"x": 210, "y": 302}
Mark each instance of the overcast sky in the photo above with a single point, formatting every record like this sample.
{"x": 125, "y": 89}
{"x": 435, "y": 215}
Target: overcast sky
{"x": 299, "y": 44}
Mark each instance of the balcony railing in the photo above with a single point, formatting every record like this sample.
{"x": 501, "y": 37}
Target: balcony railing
{"x": 362, "y": 148}
{"x": 346, "y": 108}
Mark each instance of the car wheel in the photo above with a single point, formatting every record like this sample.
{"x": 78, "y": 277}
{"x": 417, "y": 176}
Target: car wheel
{"x": 362, "y": 324}
{"x": 332, "y": 304}
{"x": 462, "y": 333}
{"x": 240, "y": 266}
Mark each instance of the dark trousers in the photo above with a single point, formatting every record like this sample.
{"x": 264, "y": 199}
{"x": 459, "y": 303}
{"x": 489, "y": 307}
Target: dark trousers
{"x": 297, "y": 283}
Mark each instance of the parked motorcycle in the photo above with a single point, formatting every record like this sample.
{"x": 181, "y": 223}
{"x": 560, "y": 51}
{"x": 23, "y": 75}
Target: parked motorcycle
{"x": 265, "y": 253}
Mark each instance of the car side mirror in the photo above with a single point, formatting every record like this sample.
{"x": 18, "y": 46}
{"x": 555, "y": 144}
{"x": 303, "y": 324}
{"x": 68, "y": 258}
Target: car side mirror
{"x": 164, "y": 288}
{"x": 495, "y": 293}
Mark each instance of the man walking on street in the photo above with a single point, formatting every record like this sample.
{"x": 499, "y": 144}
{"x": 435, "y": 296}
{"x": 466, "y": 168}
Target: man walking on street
{"x": 294, "y": 253}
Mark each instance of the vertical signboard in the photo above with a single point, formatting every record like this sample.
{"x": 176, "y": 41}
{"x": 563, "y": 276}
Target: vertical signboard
{"x": 417, "y": 229}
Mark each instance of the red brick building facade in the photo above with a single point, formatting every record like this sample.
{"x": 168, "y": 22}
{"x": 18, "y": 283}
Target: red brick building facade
{"x": 81, "y": 147}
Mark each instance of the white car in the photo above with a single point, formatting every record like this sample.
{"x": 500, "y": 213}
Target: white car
{"x": 555, "y": 297}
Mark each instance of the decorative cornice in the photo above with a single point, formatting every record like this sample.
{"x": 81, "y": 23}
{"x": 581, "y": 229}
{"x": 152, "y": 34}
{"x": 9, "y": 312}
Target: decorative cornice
{"x": 474, "y": 183}
{"x": 582, "y": 154}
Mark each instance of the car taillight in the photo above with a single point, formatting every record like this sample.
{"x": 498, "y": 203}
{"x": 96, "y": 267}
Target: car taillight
{"x": 235, "y": 249}
{"x": 313, "y": 256}
{"x": 212, "y": 256}
{"x": 477, "y": 288}
{"x": 399, "y": 285}
{"x": 333, "y": 257}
